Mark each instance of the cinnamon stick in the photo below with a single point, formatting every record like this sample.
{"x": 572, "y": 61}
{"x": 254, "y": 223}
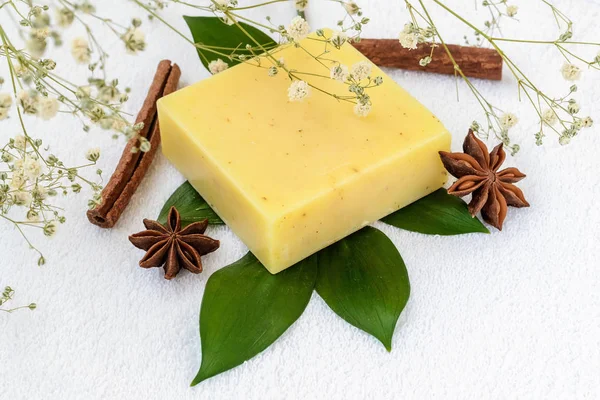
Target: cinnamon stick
{"x": 132, "y": 167}
{"x": 475, "y": 62}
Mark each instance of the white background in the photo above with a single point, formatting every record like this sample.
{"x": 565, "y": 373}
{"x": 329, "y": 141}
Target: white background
{"x": 514, "y": 314}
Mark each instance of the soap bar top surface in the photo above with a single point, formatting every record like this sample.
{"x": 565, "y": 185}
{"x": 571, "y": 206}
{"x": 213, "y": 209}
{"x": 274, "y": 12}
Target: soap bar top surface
{"x": 281, "y": 154}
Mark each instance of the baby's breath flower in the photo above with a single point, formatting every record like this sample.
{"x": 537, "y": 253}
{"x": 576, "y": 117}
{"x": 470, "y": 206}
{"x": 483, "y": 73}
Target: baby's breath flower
{"x": 39, "y": 193}
{"x": 36, "y": 47}
{"x": 19, "y": 142}
{"x": 564, "y": 140}
{"x": 6, "y": 100}
{"x": 338, "y": 39}
{"x": 134, "y": 40}
{"x": 222, "y": 3}
{"x": 588, "y": 122}
{"x": 511, "y": 11}
{"x": 17, "y": 181}
{"x": 93, "y": 154}
{"x": 508, "y": 120}
{"x": 22, "y": 198}
{"x": 3, "y": 113}
{"x": 361, "y": 70}
{"x": 217, "y": 66}
{"x": 28, "y": 102}
{"x": 362, "y": 109}
{"x": 351, "y": 8}
{"x": 33, "y": 216}
{"x": 273, "y": 71}
{"x": 64, "y": 17}
{"x": 549, "y": 117}
{"x": 408, "y": 39}
{"x": 573, "y": 108}
{"x": 298, "y": 29}
{"x": 301, "y": 4}
{"x": 81, "y": 51}
{"x": 32, "y": 168}
{"x": 50, "y": 228}
{"x": 298, "y": 90}
{"x": 339, "y": 73}
{"x": 570, "y": 72}
{"x": 47, "y": 108}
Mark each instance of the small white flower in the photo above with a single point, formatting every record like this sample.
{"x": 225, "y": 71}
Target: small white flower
{"x": 20, "y": 142}
{"x": 6, "y": 100}
{"x": 564, "y": 140}
{"x": 3, "y": 113}
{"x": 301, "y": 4}
{"x": 47, "y": 108}
{"x": 217, "y": 66}
{"x": 222, "y": 3}
{"x": 80, "y": 50}
{"x": 17, "y": 181}
{"x": 511, "y": 11}
{"x": 298, "y": 90}
{"x": 50, "y": 228}
{"x": 28, "y": 102}
{"x": 549, "y": 117}
{"x": 281, "y": 62}
{"x": 93, "y": 154}
{"x": 64, "y": 17}
{"x": 33, "y": 216}
{"x": 36, "y": 47}
{"x": 39, "y": 192}
{"x": 588, "y": 122}
{"x": 32, "y": 168}
{"x": 134, "y": 40}
{"x": 408, "y": 40}
{"x": 338, "y": 38}
{"x": 21, "y": 198}
{"x": 361, "y": 70}
{"x": 339, "y": 73}
{"x": 570, "y": 72}
{"x": 362, "y": 109}
{"x": 298, "y": 29}
{"x": 351, "y": 7}
{"x": 573, "y": 108}
{"x": 508, "y": 120}
{"x": 40, "y": 34}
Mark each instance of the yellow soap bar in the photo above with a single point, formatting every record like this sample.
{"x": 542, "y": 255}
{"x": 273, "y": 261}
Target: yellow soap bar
{"x": 291, "y": 178}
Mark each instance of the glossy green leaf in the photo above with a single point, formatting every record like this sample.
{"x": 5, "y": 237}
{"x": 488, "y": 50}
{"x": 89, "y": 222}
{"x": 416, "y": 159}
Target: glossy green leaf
{"x": 245, "y": 309}
{"x": 225, "y": 39}
{"x": 364, "y": 280}
{"x": 437, "y": 214}
{"x": 191, "y": 206}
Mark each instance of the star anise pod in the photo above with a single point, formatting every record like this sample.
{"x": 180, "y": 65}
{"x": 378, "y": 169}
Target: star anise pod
{"x": 173, "y": 247}
{"x": 477, "y": 172}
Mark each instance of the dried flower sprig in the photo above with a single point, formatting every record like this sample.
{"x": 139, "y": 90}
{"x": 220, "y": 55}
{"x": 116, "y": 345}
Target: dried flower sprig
{"x": 6, "y": 296}
{"x": 30, "y": 176}
{"x": 559, "y": 115}
{"x": 355, "y": 81}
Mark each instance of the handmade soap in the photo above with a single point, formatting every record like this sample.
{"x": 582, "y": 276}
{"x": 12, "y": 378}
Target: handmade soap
{"x": 290, "y": 178}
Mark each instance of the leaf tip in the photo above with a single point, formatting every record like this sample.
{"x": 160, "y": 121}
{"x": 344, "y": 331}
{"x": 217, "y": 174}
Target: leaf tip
{"x": 199, "y": 378}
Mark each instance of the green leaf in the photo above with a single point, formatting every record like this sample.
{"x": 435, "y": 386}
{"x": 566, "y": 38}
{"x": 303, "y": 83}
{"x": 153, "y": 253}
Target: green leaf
{"x": 437, "y": 214}
{"x": 191, "y": 206}
{"x": 245, "y": 309}
{"x": 225, "y": 39}
{"x": 364, "y": 280}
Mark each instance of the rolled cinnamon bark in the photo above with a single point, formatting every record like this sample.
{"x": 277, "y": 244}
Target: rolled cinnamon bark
{"x": 474, "y": 62}
{"x": 132, "y": 166}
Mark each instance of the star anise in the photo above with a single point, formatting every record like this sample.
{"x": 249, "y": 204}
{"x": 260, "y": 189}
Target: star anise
{"x": 173, "y": 247}
{"x": 477, "y": 173}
